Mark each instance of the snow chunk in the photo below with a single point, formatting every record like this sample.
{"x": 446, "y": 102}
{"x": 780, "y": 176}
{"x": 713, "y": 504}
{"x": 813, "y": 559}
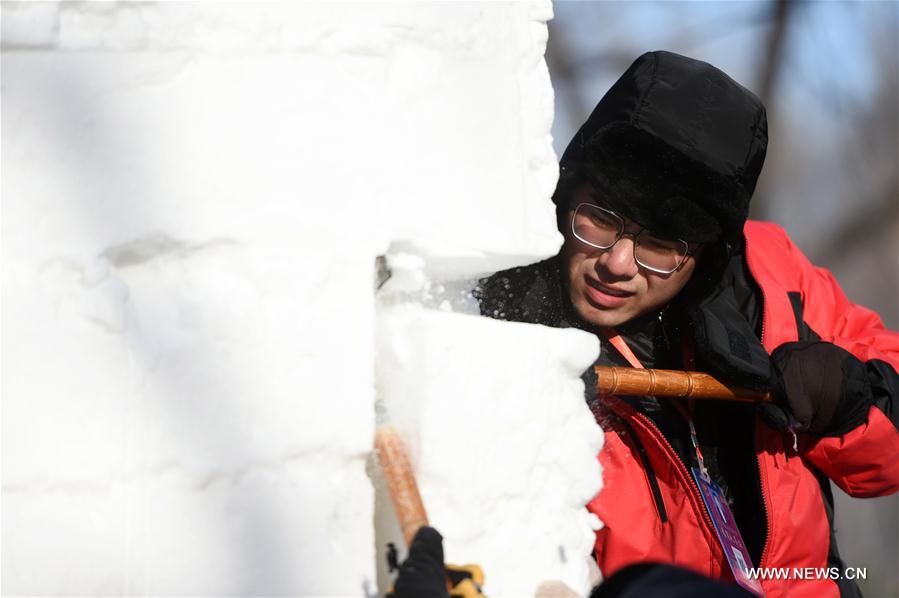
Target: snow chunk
{"x": 505, "y": 446}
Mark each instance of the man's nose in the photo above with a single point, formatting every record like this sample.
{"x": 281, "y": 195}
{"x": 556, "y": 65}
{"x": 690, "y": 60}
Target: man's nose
{"x": 618, "y": 260}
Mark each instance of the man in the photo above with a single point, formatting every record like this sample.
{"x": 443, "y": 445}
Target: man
{"x": 660, "y": 263}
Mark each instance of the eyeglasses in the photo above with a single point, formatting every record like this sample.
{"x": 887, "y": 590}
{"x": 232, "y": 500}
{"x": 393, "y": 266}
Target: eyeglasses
{"x": 602, "y": 228}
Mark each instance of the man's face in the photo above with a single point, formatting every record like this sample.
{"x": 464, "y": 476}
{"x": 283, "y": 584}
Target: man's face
{"x": 606, "y": 286}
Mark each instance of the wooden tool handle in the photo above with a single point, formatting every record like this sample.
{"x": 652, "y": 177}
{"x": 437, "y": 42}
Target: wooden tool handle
{"x": 410, "y": 511}
{"x": 671, "y": 383}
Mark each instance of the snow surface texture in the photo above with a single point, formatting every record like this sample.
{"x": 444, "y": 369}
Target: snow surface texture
{"x": 506, "y": 448}
{"x": 193, "y": 198}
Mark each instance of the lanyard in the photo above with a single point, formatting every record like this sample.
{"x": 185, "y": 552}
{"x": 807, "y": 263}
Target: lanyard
{"x": 615, "y": 339}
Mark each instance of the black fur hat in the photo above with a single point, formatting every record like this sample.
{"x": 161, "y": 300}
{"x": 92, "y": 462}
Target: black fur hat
{"x": 675, "y": 145}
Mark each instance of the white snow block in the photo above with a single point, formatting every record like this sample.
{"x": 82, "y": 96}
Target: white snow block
{"x": 193, "y": 198}
{"x": 175, "y": 420}
{"x": 505, "y": 445}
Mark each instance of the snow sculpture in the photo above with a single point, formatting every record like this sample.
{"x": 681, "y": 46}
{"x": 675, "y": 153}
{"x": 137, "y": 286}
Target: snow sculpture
{"x": 193, "y": 198}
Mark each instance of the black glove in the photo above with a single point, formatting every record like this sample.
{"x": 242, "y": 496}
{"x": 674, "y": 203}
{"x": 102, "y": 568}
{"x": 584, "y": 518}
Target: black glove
{"x": 423, "y": 574}
{"x": 823, "y": 389}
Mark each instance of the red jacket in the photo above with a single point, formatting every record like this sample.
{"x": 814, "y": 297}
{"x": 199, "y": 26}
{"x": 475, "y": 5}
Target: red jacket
{"x": 864, "y": 462}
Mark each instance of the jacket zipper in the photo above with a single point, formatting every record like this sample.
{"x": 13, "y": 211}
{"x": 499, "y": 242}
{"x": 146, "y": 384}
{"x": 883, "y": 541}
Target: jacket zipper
{"x": 680, "y": 466}
{"x": 758, "y": 456}
{"x": 673, "y": 456}
{"x": 650, "y": 473}
{"x": 765, "y": 508}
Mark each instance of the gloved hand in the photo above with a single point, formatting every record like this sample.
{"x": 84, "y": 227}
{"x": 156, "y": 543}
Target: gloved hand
{"x": 823, "y": 389}
{"x": 423, "y": 574}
